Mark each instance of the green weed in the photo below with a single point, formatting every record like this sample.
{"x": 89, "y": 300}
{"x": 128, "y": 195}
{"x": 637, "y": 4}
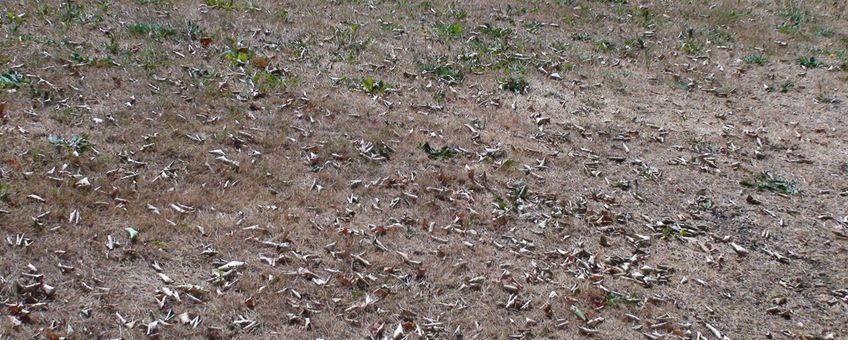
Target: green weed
{"x": 11, "y": 80}
{"x": 449, "y": 30}
{"x": 533, "y": 26}
{"x": 692, "y": 47}
{"x": 495, "y": 32}
{"x": 445, "y": 152}
{"x": 720, "y": 36}
{"x": 348, "y": 44}
{"x": 756, "y": 58}
{"x": 79, "y": 144}
{"x": 809, "y": 62}
{"x": 616, "y": 299}
{"x": 154, "y": 2}
{"x": 443, "y": 70}
{"x": 824, "y": 32}
{"x": 776, "y": 184}
{"x": 580, "y": 36}
{"x": 267, "y": 81}
{"x": 4, "y": 192}
{"x": 14, "y": 20}
{"x": 73, "y": 12}
{"x": 194, "y": 31}
{"x": 238, "y": 56}
{"x": 221, "y": 4}
{"x": 373, "y": 87}
{"x": 456, "y": 13}
{"x": 282, "y": 14}
{"x": 514, "y": 85}
{"x": 152, "y": 30}
{"x": 793, "y": 18}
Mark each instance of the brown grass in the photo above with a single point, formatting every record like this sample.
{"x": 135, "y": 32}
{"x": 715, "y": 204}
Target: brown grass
{"x": 660, "y": 113}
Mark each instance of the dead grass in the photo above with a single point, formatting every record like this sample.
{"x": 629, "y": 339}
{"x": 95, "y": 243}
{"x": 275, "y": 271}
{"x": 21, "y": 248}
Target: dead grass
{"x": 667, "y": 169}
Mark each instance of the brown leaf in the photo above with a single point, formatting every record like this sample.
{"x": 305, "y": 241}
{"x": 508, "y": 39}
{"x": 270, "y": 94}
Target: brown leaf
{"x": 51, "y": 335}
{"x": 260, "y": 62}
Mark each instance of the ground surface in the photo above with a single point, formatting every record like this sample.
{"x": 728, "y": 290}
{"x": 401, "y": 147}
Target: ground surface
{"x": 373, "y": 169}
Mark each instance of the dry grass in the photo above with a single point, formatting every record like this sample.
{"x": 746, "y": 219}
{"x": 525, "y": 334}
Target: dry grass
{"x": 613, "y": 169}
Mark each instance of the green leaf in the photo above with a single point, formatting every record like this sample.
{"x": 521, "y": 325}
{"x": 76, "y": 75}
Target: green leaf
{"x": 55, "y": 140}
{"x": 577, "y": 312}
{"x": 11, "y": 80}
{"x": 500, "y": 202}
{"x": 776, "y": 184}
{"x": 445, "y": 152}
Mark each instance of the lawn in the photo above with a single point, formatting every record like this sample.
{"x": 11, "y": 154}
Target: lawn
{"x": 485, "y": 169}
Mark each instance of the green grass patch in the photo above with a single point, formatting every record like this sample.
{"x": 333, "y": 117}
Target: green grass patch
{"x": 756, "y": 58}
{"x": 78, "y": 144}
{"x": 282, "y": 15}
{"x": 769, "y": 182}
{"x": 809, "y": 62}
{"x": 793, "y": 18}
{"x": 348, "y": 43}
{"x": 495, "y": 32}
{"x": 604, "y": 46}
{"x": 4, "y": 191}
{"x": 443, "y": 70}
{"x": 445, "y": 152}
{"x": 735, "y": 13}
{"x": 824, "y": 32}
{"x": 155, "y": 2}
{"x": 238, "y": 56}
{"x": 11, "y": 80}
{"x": 449, "y": 30}
{"x": 221, "y": 4}
{"x": 152, "y": 30}
{"x": 373, "y": 87}
{"x": 456, "y": 12}
{"x": 269, "y": 81}
{"x": 720, "y": 36}
{"x": 692, "y": 47}
{"x": 533, "y": 27}
{"x": 513, "y": 84}
{"x": 14, "y": 21}
{"x": 580, "y": 36}
{"x": 87, "y": 60}
{"x": 618, "y": 299}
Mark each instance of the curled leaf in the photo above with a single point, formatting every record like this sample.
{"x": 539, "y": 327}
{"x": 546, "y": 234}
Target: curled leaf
{"x": 577, "y": 312}
{"x": 132, "y": 233}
